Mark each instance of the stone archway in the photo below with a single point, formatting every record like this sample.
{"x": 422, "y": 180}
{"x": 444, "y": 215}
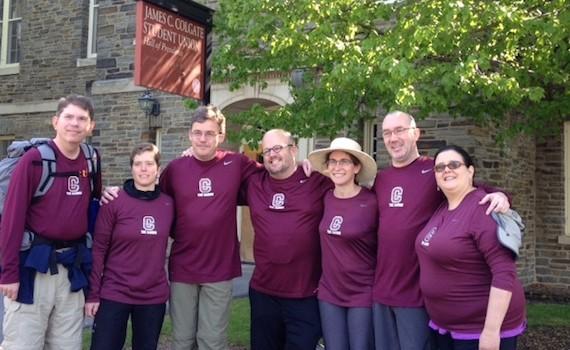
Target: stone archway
{"x": 230, "y": 102}
{"x": 245, "y": 228}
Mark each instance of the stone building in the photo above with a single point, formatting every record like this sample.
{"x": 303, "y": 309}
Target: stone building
{"x": 53, "y": 48}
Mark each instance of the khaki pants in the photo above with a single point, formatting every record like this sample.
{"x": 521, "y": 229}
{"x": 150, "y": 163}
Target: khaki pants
{"x": 200, "y": 315}
{"x": 53, "y": 322}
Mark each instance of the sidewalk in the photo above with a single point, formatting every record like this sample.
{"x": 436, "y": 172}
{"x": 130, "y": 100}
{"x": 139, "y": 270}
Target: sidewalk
{"x": 241, "y": 284}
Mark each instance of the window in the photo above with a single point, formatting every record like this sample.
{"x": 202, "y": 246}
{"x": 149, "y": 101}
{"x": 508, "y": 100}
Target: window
{"x": 5, "y": 141}
{"x": 10, "y": 32}
{"x": 370, "y": 144}
{"x": 92, "y": 38}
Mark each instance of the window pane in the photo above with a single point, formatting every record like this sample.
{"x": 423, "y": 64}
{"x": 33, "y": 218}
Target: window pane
{"x": 14, "y": 36}
{"x": 94, "y": 31}
{"x": 15, "y": 8}
{"x": 1, "y": 9}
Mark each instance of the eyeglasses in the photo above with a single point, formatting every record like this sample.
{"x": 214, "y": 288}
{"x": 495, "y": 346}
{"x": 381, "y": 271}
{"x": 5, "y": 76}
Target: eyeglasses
{"x": 275, "y": 149}
{"x": 331, "y": 163}
{"x": 396, "y": 132}
{"x": 452, "y": 165}
{"x": 197, "y": 134}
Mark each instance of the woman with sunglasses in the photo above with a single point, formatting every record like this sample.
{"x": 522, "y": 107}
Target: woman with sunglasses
{"x": 348, "y": 244}
{"x": 468, "y": 279}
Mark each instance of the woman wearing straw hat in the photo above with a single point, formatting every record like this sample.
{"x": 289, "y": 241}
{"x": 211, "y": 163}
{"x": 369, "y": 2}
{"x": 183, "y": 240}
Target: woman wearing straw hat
{"x": 348, "y": 244}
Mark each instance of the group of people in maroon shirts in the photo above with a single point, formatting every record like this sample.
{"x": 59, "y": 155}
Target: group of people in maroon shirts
{"x": 404, "y": 258}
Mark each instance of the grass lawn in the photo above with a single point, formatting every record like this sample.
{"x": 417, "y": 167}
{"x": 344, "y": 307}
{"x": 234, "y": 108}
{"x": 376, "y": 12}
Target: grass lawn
{"x": 539, "y": 315}
{"x": 548, "y": 315}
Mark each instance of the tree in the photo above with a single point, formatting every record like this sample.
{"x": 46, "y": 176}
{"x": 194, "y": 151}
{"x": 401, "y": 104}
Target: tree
{"x": 493, "y": 61}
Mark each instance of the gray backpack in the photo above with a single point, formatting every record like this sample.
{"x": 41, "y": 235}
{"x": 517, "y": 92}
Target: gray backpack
{"x": 17, "y": 149}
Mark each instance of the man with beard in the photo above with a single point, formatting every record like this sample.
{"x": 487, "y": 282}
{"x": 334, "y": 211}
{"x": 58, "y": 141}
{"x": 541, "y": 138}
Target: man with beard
{"x": 286, "y": 208}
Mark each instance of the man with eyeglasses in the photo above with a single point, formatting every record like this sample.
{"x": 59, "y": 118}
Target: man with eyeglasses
{"x": 286, "y": 208}
{"x": 205, "y": 252}
{"x": 407, "y": 197}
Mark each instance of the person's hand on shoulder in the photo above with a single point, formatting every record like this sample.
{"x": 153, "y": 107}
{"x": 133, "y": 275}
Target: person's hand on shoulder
{"x": 307, "y": 167}
{"x": 109, "y": 194}
{"x": 187, "y": 152}
{"x": 498, "y": 202}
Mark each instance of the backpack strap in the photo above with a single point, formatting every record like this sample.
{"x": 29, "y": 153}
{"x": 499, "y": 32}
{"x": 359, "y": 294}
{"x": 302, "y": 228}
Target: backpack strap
{"x": 48, "y": 169}
{"x": 91, "y": 156}
{"x": 48, "y": 164}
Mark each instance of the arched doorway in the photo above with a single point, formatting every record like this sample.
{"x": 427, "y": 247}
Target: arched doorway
{"x": 245, "y": 228}
{"x": 274, "y": 95}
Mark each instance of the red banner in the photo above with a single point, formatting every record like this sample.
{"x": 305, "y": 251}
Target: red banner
{"x": 170, "y": 52}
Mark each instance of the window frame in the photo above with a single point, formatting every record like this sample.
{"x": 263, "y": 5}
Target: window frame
{"x": 5, "y": 141}
{"x": 5, "y": 67}
{"x": 92, "y": 31}
{"x": 565, "y": 237}
{"x": 371, "y": 138}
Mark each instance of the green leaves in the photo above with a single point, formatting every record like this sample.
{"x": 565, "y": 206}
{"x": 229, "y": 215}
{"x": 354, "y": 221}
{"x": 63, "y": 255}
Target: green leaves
{"x": 481, "y": 59}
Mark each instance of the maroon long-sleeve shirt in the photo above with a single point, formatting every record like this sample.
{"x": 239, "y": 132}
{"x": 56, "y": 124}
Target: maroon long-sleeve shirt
{"x": 129, "y": 250}
{"x": 348, "y": 245}
{"x": 61, "y": 214}
{"x": 460, "y": 259}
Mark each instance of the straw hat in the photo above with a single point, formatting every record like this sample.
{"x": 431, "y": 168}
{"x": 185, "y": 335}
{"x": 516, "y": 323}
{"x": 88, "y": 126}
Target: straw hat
{"x": 368, "y": 168}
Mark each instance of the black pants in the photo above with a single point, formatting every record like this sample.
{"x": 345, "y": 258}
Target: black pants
{"x": 284, "y": 323}
{"x": 110, "y": 326}
{"x": 445, "y": 342}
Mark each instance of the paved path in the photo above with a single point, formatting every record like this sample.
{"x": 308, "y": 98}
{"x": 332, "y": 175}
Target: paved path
{"x": 241, "y": 284}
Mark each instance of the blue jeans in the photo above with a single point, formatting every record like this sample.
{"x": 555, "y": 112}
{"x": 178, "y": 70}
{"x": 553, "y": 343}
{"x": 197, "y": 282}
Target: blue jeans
{"x": 283, "y": 323}
{"x": 346, "y": 328}
{"x": 110, "y": 326}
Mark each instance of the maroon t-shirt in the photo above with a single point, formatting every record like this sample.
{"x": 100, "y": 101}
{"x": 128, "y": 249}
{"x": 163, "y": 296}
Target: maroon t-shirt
{"x": 407, "y": 197}
{"x": 206, "y": 247}
{"x": 61, "y": 214}
{"x": 348, "y": 245}
{"x": 460, "y": 259}
{"x": 129, "y": 250}
{"x": 285, "y": 215}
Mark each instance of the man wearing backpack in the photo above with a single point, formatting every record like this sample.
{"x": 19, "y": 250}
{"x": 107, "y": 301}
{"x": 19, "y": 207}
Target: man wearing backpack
{"x": 43, "y": 284}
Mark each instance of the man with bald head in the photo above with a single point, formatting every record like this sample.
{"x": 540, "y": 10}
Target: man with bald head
{"x": 286, "y": 208}
{"x": 407, "y": 197}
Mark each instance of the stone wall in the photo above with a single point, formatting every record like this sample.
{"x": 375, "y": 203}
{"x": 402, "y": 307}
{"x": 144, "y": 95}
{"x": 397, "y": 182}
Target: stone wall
{"x": 26, "y": 126}
{"x": 122, "y": 124}
{"x": 552, "y": 257}
{"x": 53, "y": 38}
{"x": 115, "y": 39}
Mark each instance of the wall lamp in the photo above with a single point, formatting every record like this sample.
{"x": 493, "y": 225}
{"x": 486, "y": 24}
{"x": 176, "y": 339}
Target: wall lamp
{"x": 151, "y": 108}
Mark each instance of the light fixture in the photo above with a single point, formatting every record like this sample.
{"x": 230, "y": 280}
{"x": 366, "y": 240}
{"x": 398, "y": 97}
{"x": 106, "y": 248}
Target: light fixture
{"x": 298, "y": 77}
{"x": 151, "y": 108}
